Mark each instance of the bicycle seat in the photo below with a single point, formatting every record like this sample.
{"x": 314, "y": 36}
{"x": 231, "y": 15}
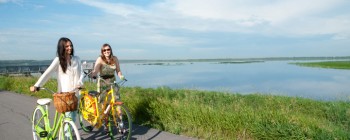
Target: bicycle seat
{"x": 93, "y": 93}
{"x": 44, "y": 101}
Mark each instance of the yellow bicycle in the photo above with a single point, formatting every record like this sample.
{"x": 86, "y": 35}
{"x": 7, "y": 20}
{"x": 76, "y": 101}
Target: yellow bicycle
{"x": 112, "y": 113}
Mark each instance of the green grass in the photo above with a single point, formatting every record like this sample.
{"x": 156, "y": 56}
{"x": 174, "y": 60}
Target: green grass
{"x": 218, "y": 115}
{"x": 326, "y": 64}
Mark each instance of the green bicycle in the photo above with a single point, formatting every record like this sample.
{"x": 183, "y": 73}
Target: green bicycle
{"x": 41, "y": 124}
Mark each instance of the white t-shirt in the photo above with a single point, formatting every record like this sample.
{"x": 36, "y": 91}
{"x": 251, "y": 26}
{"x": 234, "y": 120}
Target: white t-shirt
{"x": 66, "y": 81}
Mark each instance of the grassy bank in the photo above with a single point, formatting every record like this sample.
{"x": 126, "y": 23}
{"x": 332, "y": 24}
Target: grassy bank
{"x": 217, "y": 115}
{"x": 326, "y": 64}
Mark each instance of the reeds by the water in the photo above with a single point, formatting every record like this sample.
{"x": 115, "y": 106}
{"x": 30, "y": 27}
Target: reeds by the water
{"x": 218, "y": 115}
{"x": 326, "y": 64}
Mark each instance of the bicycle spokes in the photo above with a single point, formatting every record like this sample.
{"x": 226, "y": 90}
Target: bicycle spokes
{"x": 69, "y": 131}
{"x": 120, "y": 122}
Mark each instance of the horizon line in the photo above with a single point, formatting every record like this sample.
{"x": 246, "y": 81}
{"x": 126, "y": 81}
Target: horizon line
{"x": 282, "y": 57}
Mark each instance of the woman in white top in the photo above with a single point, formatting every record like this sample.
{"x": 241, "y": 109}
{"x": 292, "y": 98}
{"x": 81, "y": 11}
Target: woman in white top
{"x": 68, "y": 69}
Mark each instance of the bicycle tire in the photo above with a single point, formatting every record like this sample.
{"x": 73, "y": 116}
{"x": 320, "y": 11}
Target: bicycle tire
{"x": 85, "y": 125}
{"x": 118, "y": 130}
{"x": 68, "y": 131}
{"x": 38, "y": 123}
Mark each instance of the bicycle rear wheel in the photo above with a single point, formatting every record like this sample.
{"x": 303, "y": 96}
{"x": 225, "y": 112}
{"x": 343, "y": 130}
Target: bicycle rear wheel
{"x": 68, "y": 131}
{"x": 120, "y": 123}
{"x": 38, "y": 123}
{"x": 85, "y": 125}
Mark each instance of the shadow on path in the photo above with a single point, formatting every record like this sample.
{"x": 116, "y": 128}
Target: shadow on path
{"x": 138, "y": 132}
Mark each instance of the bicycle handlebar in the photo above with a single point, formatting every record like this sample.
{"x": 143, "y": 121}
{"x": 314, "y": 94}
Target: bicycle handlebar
{"x": 43, "y": 88}
{"x": 120, "y": 83}
{"x": 103, "y": 77}
{"x": 88, "y": 74}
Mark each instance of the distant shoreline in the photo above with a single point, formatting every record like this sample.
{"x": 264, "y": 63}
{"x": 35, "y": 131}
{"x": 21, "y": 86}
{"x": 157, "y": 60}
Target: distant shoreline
{"x": 238, "y": 59}
{"x": 46, "y": 62}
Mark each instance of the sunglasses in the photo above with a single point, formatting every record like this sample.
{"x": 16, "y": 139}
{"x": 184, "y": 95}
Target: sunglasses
{"x": 104, "y": 50}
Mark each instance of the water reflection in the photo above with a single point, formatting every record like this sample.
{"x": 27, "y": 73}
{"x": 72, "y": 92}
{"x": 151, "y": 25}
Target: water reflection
{"x": 269, "y": 77}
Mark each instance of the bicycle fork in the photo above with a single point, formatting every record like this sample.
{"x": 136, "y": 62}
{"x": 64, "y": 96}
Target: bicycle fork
{"x": 106, "y": 115}
{"x": 108, "y": 108}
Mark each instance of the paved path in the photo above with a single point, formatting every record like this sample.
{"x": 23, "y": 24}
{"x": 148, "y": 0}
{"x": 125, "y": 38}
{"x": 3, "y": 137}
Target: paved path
{"x": 15, "y": 122}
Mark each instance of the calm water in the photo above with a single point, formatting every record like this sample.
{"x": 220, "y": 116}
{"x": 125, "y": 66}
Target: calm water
{"x": 269, "y": 77}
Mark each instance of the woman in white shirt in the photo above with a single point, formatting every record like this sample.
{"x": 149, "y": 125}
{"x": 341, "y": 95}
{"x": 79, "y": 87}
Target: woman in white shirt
{"x": 68, "y": 69}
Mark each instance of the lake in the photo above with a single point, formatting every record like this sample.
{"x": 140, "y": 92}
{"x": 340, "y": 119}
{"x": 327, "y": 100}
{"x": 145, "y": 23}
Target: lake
{"x": 244, "y": 76}
{"x": 265, "y": 77}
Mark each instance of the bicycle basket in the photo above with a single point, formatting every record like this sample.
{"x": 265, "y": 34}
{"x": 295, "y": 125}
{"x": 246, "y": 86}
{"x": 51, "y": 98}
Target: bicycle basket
{"x": 65, "y": 102}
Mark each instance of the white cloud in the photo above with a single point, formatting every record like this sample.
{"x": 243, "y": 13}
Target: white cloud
{"x": 201, "y": 26}
{"x": 297, "y": 17}
{"x": 341, "y": 36}
{"x": 36, "y": 6}
{"x": 18, "y": 2}
{"x": 127, "y": 51}
{"x": 113, "y": 8}
{"x": 279, "y": 17}
{"x": 167, "y": 40}
{"x": 5, "y": 1}
{"x": 273, "y": 11}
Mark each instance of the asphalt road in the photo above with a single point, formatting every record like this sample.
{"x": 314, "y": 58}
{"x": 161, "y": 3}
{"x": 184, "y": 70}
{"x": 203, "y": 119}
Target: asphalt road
{"x": 15, "y": 122}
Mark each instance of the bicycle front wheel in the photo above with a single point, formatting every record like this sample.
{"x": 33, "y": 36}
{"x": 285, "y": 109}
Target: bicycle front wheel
{"x": 83, "y": 114}
{"x": 120, "y": 123}
{"x": 38, "y": 123}
{"x": 68, "y": 131}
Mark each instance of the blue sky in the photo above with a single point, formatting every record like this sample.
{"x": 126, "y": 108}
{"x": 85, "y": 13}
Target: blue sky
{"x": 176, "y": 29}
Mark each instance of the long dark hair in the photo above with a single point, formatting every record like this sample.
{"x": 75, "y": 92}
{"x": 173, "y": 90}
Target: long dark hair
{"x": 61, "y": 52}
{"x": 112, "y": 60}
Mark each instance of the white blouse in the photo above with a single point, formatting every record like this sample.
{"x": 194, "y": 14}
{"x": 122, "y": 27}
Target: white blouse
{"x": 66, "y": 81}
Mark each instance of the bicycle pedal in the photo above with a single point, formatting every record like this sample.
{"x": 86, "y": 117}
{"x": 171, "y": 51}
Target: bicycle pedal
{"x": 89, "y": 128}
{"x": 43, "y": 134}
{"x": 123, "y": 131}
{"x": 106, "y": 132}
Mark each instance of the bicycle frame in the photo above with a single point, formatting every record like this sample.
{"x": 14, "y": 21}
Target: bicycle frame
{"x": 62, "y": 125}
{"x": 112, "y": 112}
{"x": 110, "y": 106}
{"x": 51, "y": 131}
{"x": 106, "y": 107}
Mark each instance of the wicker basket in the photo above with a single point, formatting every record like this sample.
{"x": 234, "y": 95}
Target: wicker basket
{"x": 65, "y": 102}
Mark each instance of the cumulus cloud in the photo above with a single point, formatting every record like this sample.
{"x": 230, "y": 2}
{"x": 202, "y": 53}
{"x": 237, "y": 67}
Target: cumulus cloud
{"x": 18, "y": 2}
{"x": 113, "y": 8}
{"x": 296, "y": 17}
{"x": 274, "y": 27}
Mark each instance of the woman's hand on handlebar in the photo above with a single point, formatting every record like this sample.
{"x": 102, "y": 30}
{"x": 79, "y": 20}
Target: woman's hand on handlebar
{"x": 122, "y": 77}
{"x": 93, "y": 76}
{"x": 79, "y": 87}
{"x": 90, "y": 74}
{"x": 34, "y": 88}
